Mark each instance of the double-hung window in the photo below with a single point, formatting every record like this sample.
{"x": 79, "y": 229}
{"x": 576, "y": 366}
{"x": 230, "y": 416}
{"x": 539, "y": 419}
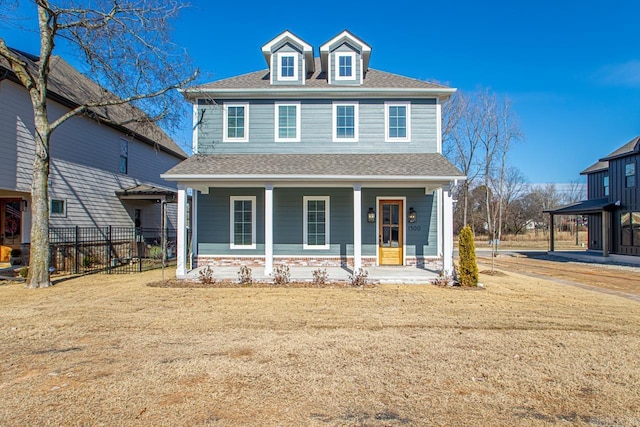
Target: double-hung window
{"x": 287, "y": 121}
{"x": 243, "y": 222}
{"x": 605, "y": 183}
{"x": 288, "y": 66}
{"x": 235, "y": 122}
{"x": 345, "y": 66}
{"x": 345, "y": 121}
{"x": 397, "y": 119}
{"x": 630, "y": 175}
{"x": 316, "y": 222}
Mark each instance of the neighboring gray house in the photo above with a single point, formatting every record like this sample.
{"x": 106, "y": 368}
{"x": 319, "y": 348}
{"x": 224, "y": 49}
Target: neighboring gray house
{"x": 101, "y": 174}
{"x": 319, "y": 162}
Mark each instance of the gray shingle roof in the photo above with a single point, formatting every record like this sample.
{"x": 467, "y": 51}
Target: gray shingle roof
{"x": 75, "y": 88}
{"x": 373, "y": 79}
{"x": 411, "y": 166}
{"x": 628, "y": 148}
{"x": 596, "y": 167}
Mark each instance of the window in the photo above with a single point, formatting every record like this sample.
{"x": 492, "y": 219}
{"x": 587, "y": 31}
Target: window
{"x": 345, "y": 66}
{"x": 124, "y": 156}
{"x": 58, "y": 207}
{"x": 630, "y": 175}
{"x": 345, "y": 122}
{"x": 316, "y": 222}
{"x": 287, "y": 122}
{"x": 236, "y": 118}
{"x": 397, "y": 121}
{"x": 630, "y": 225}
{"x": 288, "y": 69}
{"x": 243, "y": 222}
{"x": 605, "y": 183}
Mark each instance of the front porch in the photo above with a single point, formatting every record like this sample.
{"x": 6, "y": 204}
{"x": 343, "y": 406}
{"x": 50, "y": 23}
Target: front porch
{"x": 409, "y": 275}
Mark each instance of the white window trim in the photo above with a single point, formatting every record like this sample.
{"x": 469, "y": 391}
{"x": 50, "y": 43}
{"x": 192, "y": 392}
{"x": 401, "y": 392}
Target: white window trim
{"x": 356, "y": 105}
{"x": 225, "y": 122}
{"x": 336, "y": 71}
{"x": 388, "y": 138}
{"x": 327, "y": 226}
{"x": 64, "y": 210}
{"x": 233, "y": 199}
{"x": 293, "y": 55}
{"x": 277, "y": 106}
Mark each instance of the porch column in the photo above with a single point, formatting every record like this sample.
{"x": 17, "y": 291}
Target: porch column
{"x": 357, "y": 227}
{"x": 268, "y": 229}
{"x": 605, "y": 233}
{"x": 551, "y": 233}
{"x": 447, "y": 230}
{"x": 181, "y": 256}
{"x": 194, "y": 227}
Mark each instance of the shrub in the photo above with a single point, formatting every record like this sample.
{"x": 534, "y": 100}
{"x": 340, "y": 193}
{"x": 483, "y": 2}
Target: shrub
{"x": 244, "y": 276}
{"x": 320, "y": 277}
{"x": 468, "y": 271}
{"x": 155, "y": 252}
{"x": 23, "y": 272}
{"x": 442, "y": 280}
{"x": 281, "y": 275}
{"x": 88, "y": 260}
{"x": 359, "y": 278}
{"x": 206, "y": 276}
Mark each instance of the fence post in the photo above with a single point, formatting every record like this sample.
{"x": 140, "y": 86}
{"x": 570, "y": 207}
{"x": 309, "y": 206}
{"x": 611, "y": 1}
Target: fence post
{"x": 76, "y": 249}
{"x": 108, "y": 249}
{"x": 139, "y": 248}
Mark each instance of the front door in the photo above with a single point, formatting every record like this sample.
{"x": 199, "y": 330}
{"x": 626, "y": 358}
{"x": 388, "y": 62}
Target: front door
{"x": 10, "y": 223}
{"x": 390, "y": 240}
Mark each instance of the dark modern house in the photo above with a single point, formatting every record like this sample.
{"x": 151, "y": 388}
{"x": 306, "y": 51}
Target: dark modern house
{"x": 613, "y": 202}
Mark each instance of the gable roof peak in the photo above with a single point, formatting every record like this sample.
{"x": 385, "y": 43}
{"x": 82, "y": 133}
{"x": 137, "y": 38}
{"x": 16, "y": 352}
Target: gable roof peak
{"x": 288, "y": 36}
{"x": 345, "y": 36}
{"x": 630, "y": 147}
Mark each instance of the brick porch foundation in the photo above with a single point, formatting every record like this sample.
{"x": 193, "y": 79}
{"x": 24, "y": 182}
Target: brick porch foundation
{"x": 431, "y": 263}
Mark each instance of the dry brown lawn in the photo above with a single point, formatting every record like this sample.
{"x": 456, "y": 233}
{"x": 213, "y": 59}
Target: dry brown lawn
{"x": 109, "y": 350}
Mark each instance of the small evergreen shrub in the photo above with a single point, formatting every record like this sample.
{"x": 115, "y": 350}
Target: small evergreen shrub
{"x": 245, "y": 276}
{"x": 206, "y": 276}
{"x": 23, "y": 272}
{"x": 468, "y": 271}
{"x": 359, "y": 278}
{"x": 281, "y": 275}
{"x": 320, "y": 277}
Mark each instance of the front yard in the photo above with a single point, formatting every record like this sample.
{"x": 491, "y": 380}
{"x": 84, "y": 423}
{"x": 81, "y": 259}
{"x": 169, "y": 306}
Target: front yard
{"x": 109, "y": 350}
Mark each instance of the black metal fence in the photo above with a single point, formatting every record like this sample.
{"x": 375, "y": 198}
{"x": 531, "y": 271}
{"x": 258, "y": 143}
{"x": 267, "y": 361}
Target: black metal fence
{"x": 110, "y": 249}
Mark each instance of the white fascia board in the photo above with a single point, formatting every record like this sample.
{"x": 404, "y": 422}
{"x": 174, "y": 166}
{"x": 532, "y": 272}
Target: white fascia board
{"x": 321, "y": 93}
{"x": 202, "y": 178}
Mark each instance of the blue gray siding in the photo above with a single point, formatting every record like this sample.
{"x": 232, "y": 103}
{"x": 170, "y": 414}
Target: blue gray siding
{"x": 214, "y": 221}
{"x": 333, "y": 64}
{"x": 316, "y": 129}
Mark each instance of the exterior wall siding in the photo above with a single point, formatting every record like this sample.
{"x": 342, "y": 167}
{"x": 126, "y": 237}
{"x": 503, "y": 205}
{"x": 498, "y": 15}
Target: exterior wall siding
{"x": 595, "y": 185}
{"x": 214, "y": 223}
{"x": 316, "y": 129}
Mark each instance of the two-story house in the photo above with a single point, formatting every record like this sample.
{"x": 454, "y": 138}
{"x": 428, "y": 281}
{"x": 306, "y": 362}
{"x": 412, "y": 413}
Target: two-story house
{"x": 613, "y": 202}
{"x": 100, "y": 173}
{"x": 317, "y": 161}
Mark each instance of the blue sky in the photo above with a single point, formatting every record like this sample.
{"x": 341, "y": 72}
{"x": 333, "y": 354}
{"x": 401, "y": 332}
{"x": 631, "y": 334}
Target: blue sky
{"x": 571, "y": 68}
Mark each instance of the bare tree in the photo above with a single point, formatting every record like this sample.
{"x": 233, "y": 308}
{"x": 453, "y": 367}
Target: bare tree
{"x": 460, "y": 136}
{"x": 127, "y": 48}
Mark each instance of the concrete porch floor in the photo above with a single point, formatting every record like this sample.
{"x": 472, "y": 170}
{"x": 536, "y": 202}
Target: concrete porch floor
{"x": 378, "y": 274}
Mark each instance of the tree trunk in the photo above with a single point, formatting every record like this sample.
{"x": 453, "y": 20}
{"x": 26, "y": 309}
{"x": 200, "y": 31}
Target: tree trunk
{"x": 39, "y": 258}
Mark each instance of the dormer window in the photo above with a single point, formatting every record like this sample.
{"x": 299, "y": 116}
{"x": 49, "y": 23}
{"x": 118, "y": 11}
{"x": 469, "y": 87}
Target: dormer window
{"x": 345, "y": 66}
{"x": 288, "y": 66}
